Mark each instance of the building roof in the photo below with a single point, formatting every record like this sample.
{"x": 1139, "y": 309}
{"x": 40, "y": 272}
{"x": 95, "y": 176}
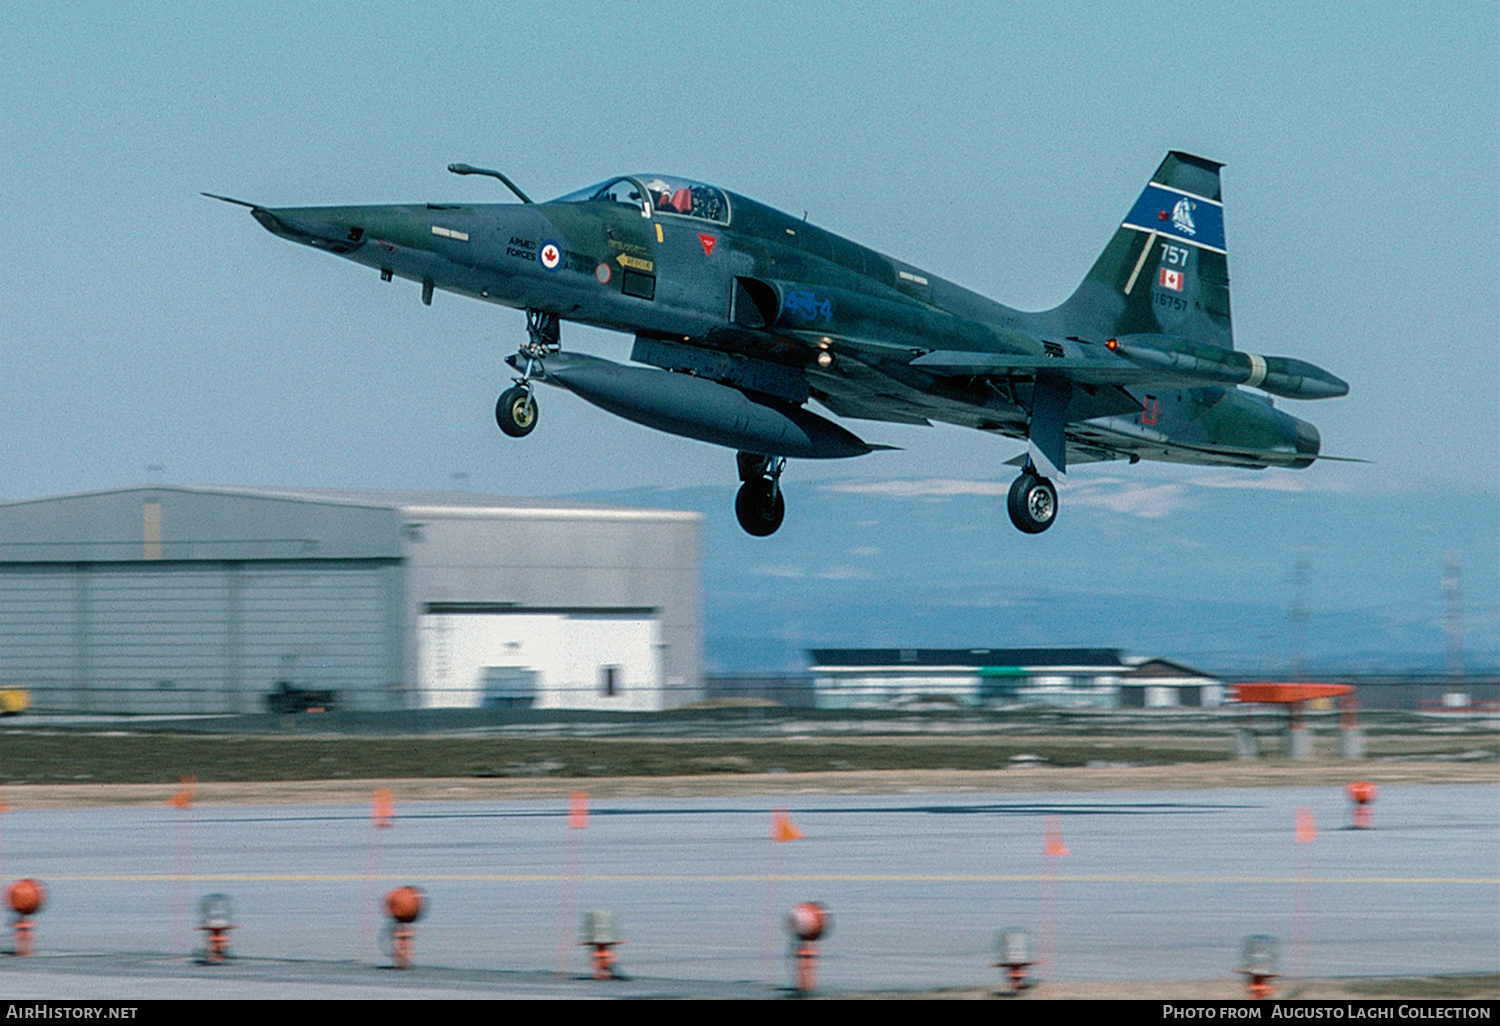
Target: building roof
{"x": 1162, "y": 669}
{"x": 976, "y": 657}
{"x": 429, "y": 502}
{"x": 173, "y": 522}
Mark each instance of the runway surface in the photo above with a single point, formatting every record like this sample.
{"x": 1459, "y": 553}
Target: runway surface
{"x": 1153, "y": 885}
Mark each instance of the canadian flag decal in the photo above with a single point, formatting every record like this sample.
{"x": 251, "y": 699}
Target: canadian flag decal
{"x": 1170, "y": 279}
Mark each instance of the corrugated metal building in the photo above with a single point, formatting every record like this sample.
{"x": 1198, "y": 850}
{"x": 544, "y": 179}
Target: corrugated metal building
{"x": 202, "y": 600}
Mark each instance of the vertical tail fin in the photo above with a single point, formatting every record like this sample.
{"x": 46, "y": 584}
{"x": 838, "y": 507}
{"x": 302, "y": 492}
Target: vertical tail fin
{"x": 1165, "y": 272}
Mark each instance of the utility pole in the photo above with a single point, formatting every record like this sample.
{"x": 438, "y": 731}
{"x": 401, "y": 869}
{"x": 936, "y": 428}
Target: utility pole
{"x": 1453, "y": 616}
{"x": 1297, "y": 617}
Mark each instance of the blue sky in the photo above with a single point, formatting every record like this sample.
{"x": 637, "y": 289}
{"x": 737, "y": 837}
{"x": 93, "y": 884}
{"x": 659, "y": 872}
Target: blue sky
{"x": 995, "y": 144}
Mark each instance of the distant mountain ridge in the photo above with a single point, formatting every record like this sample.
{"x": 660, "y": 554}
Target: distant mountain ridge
{"x": 1231, "y": 574}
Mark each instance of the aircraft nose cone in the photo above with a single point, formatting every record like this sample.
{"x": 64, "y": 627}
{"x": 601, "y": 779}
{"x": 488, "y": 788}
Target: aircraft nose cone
{"x": 322, "y": 228}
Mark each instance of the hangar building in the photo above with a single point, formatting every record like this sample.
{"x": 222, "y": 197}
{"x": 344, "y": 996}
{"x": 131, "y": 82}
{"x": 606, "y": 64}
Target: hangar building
{"x": 203, "y": 600}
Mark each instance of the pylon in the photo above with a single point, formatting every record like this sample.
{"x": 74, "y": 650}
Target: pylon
{"x": 384, "y": 810}
{"x": 1053, "y": 833}
{"x": 1307, "y": 832}
{"x": 184, "y": 797}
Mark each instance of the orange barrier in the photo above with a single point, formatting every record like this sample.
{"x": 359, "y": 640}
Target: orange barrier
{"x": 1286, "y": 694}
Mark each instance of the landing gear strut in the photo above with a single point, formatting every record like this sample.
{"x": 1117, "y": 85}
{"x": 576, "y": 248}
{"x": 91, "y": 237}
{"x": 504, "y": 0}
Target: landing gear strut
{"x": 759, "y": 505}
{"x": 515, "y": 411}
{"x": 1033, "y": 501}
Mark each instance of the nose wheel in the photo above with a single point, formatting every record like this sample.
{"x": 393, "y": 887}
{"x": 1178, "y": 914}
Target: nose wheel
{"x": 759, "y": 505}
{"x": 515, "y": 411}
{"x": 1033, "y": 502}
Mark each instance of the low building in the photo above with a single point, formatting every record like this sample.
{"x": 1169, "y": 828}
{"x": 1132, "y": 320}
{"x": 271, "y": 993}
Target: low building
{"x": 1061, "y": 677}
{"x": 1161, "y": 684}
{"x": 207, "y": 600}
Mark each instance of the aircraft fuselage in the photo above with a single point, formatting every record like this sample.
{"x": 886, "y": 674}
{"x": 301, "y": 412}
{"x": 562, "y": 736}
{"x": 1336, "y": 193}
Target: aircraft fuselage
{"x": 778, "y": 311}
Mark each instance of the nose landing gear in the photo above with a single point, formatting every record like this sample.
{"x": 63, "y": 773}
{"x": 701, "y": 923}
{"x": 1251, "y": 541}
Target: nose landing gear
{"x": 759, "y": 505}
{"x": 1033, "y": 502}
{"x": 515, "y": 411}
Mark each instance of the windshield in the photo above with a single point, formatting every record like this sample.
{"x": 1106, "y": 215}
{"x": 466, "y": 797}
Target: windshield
{"x": 676, "y": 196}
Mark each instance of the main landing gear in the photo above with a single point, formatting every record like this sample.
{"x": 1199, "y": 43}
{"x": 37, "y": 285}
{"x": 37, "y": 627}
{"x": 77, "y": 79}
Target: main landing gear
{"x": 1033, "y": 501}
{"x": 515, "y": 411}
{"x": 759, "y": 505}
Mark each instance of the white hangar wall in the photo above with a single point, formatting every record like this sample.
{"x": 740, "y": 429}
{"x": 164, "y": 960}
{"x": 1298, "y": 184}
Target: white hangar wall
{"x": 614, "y": 588}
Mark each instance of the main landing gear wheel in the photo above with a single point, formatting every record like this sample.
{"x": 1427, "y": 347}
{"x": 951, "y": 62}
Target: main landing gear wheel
{"x": 1032, "y": 503}
{"x": 515, "y": 412}
{"x": 759, "y": 505}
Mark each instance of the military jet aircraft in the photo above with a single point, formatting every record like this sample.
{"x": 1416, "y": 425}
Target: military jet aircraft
{"x": 744, "y": 314}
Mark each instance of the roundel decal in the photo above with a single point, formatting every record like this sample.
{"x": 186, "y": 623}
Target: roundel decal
{"x": 550, "y": 254}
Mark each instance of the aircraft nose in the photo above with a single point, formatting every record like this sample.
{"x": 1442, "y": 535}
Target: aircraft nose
{"x": 327, "y": 228}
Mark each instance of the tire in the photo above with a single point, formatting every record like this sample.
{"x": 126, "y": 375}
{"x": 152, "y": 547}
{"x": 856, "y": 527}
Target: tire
{"x": 515, "y": 412}
{"x": 1032, "y": 504}
{"x": 759, "y": 508}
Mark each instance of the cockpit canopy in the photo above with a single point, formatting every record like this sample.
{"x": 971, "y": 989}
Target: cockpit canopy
{"x": 658, "y": 194}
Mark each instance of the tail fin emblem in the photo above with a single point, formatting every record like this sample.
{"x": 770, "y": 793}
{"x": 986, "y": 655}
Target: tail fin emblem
{"x": 1182, "y": 217}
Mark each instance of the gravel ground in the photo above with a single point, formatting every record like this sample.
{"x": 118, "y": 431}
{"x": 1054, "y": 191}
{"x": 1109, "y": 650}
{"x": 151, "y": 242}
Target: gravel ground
{"x": 1030, "y": 779}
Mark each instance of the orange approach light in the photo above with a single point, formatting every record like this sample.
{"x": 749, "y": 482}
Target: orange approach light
{"x": 215, "y": 919}
{"x": 1014, "y": 951}
{"x": 808, "y": 922}
{"x": 26, "y": 898}
{"x": 1362, "y": 794}
{"x": 405, "y": 904}
{"x": 601, "y": 936}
